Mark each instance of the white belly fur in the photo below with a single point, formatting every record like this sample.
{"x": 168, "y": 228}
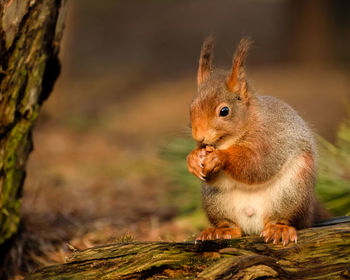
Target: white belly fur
{"x": 248, "y": 205}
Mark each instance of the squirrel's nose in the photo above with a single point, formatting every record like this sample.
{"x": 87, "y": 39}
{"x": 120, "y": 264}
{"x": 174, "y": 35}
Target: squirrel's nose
{"x": 200, "y": 141}
{"x": 197, "y": 135}
{"x": 202, "y": 137}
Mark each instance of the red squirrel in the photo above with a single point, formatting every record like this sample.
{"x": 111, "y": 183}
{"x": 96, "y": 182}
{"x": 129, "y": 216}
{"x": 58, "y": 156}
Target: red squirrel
{"x": 255, "y": 155}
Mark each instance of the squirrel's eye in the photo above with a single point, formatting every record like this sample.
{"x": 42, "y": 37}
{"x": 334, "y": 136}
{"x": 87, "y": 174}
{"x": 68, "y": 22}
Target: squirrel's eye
{"x": 224, "y": 111}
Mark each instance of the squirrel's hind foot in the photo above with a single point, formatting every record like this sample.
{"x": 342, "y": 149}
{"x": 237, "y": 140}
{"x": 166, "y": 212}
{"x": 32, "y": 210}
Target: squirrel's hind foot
{"x": 277, "y": 232}
{"x": 220, "y": 233}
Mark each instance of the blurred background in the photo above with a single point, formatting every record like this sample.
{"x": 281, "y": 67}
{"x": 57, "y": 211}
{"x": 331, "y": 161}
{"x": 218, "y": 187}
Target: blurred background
{"x": 110, "y": 145}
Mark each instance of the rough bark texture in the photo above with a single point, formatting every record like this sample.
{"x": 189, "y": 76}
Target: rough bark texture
{"x": 30, "y": 32}
{"x": 321, "y": 253}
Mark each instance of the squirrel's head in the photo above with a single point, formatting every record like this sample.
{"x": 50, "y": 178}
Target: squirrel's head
{"x": 220, "y": 108}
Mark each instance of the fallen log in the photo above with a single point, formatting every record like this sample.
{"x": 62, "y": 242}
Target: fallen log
{"x": 321, "y": 253}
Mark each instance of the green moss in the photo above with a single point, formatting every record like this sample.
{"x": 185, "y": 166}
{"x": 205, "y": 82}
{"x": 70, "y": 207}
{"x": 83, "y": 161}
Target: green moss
{"x": 16, "y": 152}
{"x": 21, "y": 88}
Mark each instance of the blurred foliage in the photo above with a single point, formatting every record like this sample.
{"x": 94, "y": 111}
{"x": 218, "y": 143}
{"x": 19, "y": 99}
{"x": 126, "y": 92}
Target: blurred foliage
{"x": 186, "y": 195}
{"x": 333, "y": 183}
{"x": 186, "y": 192}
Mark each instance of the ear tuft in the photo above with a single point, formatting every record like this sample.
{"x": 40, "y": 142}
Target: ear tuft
{"x": 237, "y": 81}
{"x": 205, "y": 60}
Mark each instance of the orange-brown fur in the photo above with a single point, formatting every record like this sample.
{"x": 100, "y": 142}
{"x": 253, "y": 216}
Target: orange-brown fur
{"x": 260, "y": 154}
{"x": 242, "y": 163}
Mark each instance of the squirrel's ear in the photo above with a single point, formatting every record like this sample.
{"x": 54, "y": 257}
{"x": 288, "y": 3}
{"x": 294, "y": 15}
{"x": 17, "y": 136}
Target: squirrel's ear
{"x": 236, "y": 81}
{"x": 205, "y": 60}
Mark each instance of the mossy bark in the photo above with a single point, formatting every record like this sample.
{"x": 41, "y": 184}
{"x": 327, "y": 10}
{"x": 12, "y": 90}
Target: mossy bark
{"x": 30, "y": 32}
{"x": 321, "y": 253}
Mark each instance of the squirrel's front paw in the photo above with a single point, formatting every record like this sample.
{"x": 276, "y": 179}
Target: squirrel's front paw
{"x": 195, "y": 163}
{"x": 212, "y": 163}
{"x": 276, "y": 232}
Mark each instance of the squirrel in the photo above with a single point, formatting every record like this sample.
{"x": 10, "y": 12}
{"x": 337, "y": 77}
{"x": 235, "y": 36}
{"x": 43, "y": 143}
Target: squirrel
{"x": 255, "y": 155}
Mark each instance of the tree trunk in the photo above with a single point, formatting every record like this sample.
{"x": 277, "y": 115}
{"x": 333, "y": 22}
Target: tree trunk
{"x": 321, "y": 253}
{"x": 30, "y": 32}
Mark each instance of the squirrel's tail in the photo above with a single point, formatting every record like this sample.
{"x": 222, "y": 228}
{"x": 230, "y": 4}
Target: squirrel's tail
{"x": 323, "y": 217}
{"x": 321, "y": 214}
{"x": 332, "y": 221}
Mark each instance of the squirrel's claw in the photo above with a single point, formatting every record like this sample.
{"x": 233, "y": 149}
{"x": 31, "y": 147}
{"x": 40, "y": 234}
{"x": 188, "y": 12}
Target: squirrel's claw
{"x": 204, "y": 162}
{"x": 278, "y": 232}
{"x": 212, "y": 163}
{"x": 195, "y": 163}
{"x": 220, "y": 233}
